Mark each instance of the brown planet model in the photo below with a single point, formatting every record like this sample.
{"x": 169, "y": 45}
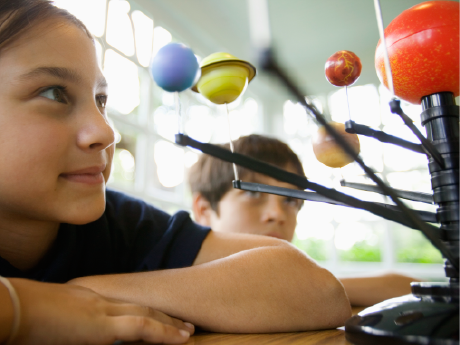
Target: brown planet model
{"x": 328, "y": 152}
{"x": 343, "y": 68}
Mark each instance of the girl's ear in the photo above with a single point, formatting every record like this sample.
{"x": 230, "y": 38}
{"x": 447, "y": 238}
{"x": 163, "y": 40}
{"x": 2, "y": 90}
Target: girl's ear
{"x": 202, "y": 210}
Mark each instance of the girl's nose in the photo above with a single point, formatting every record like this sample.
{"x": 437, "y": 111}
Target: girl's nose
{"x": 96, "y": 134}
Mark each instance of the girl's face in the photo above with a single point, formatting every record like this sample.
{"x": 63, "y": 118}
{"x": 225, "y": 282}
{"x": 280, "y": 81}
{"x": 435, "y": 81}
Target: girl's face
{"x": 56, "y": 145}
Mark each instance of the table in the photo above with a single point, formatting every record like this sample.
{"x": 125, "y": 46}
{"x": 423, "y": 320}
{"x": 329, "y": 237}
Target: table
{"x": 326, "y": 337}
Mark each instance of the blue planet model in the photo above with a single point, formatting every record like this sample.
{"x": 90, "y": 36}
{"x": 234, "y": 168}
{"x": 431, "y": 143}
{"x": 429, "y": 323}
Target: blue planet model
{"x": 175, "y": 68}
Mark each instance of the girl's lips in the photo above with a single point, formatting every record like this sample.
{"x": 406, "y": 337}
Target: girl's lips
{"x": 91, "y": 175}
{"x": 85, "y": 178}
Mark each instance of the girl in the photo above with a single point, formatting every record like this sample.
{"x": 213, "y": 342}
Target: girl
{"x": 59, "y": 224}
{"x": 46, "y": 180}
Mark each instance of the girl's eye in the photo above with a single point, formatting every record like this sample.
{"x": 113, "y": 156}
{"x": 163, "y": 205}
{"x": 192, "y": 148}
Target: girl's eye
{"x": 101, "y": 101}
{"x": 55, "y": 93}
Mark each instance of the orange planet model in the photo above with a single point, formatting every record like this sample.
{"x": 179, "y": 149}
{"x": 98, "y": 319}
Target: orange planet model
{"x": 328, "y": 152}
{"x": 343, "y": 68}
{"x": 423, "y": 47}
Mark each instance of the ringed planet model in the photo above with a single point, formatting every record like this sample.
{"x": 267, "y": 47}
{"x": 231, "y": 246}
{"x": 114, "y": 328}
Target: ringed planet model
{"x": 223, "y": 77}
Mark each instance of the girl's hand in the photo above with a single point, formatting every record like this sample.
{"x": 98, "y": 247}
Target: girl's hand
{"x": 69, "y": 314}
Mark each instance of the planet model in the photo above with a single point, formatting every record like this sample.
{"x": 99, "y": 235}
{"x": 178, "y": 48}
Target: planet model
{"x": 328, "y": 152}
{"x": 175, "y": 68}
{"x": 423, "y": 47}
{"x": 223, "y": 77}
{"x": 343, "y": 68}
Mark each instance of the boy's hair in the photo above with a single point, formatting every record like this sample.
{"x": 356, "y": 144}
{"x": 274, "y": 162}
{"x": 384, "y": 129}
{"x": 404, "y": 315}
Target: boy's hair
{"x": 212, "y": 177}
{"x": 18, "y": 16}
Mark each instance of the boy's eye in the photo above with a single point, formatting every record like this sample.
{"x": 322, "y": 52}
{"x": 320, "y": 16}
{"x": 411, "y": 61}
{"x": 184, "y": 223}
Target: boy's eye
{"x": 55, "y": 93}
{"x": 293, "y": 202}
{"x": 101, "y": 101}
{"x": 251, "y": 194}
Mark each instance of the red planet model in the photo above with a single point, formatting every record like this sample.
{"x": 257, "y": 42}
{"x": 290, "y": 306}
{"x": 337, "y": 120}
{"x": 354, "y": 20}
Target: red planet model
{"x": 423, "y": 47}
{"x": 343, "y": 68}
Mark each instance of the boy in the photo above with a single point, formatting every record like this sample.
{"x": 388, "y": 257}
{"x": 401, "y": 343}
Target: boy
{"x": 218, "y": 205}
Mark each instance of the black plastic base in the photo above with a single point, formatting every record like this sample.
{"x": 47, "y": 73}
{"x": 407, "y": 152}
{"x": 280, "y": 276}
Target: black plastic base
{"x": 406, "y": 320}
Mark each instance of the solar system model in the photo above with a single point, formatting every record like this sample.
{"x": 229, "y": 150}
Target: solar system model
{"x": 417, "y": 59}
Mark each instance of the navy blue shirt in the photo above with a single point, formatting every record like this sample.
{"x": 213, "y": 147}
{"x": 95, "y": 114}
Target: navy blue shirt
{"x": 131, "y": 236}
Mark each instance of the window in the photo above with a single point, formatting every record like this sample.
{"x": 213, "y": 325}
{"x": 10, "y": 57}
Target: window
{"x": 147, "y": 163}
{"x": 347, "y": 240}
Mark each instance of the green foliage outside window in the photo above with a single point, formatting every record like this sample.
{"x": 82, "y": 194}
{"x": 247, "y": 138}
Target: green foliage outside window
{"x": 315, "y": 248}
{"x": 361, "y": 251}
{"x": 411, "y": 246}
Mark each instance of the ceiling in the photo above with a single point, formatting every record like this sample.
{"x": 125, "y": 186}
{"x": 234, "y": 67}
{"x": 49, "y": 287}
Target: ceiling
{"x": 304, "y": 34}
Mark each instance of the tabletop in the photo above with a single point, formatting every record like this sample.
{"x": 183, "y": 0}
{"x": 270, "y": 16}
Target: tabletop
{"x": 324, "y": 337}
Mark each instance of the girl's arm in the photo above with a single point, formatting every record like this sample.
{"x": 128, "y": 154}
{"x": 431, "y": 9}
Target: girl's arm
{"x": 240, "y": 284}
{"x": 65, "y": 314}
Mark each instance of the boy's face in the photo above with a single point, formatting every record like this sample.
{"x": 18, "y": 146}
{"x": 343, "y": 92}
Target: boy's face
{"x": 257, "y": 213}
{"x": 56, "y": 143}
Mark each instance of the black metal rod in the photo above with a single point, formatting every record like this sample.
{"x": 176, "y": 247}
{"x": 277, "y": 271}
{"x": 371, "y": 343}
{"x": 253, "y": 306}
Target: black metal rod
{"x": 269, "y": 64}
{"x": 395, "y": 106}
{"x": 404, "y": 194}
{"x": 353, "y": 127}
{"x": 313, "y": 196}
{"x": 300, "y": 181}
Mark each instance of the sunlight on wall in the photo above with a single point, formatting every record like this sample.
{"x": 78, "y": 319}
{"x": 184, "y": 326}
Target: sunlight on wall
{"x": 363, "y": 101}
{"x": 402, "y": 160}
{"x": 244, "y": 120}
{"x": 99, "y": 53}
{"x": 200, "y": 123}
{"x": 170, "y": 163}
{"x": 119, "y": 29}
{"x": 123, "y": 82}
{"x": 94, "y": 19}
{"x": 143, "y": 31}
{"x": 190, "y": 158}
{"x": 410, "y": 180}
{"x": 127, "y": 160}
{"x": 319, "y": 229}
{"x": 123, "y": 168}
{"x": 161, "y": 37}
{"x": 167, "y": 98}
{"x": 165, "y": 122}
{"x": 294, "y": 117}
